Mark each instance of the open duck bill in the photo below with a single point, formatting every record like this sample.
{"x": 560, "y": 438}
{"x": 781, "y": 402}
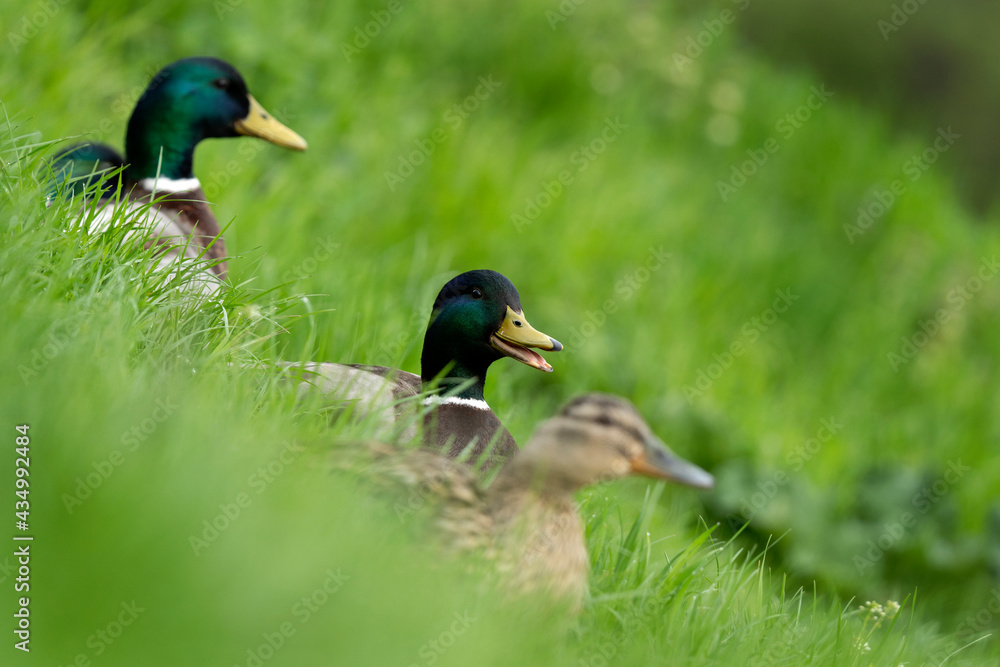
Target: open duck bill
{"x": 659, "y": 462}
{"x": 515, "y": 336}
{"x": 259, "y": 123}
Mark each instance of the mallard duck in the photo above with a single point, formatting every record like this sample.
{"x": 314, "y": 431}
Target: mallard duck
{"x": 527, "y": 519}
{"x": 476, "y": 319}
{"x": 86, "y": 169}
{"x": 187, "y": 101}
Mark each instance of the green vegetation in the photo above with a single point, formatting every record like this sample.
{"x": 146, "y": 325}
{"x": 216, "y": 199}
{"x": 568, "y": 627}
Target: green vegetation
{"x": 924, "y": 64}
{"x": 764, "y": 328}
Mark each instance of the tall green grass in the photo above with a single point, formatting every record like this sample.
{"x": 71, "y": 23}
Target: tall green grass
{"x": 331, "y": 264}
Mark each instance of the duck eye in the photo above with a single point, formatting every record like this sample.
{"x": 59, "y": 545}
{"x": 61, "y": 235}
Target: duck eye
{"x": 476, "y": 293}
{"x": 222, "y": 84}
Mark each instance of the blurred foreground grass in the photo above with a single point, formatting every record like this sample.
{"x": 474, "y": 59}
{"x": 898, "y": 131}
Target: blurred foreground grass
{"x": 754, "y": 324}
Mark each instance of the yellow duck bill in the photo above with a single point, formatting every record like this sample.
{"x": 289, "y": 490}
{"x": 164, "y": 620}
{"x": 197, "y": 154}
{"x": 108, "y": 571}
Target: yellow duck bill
{"x": 515, "y": 336}
{"x": 259, "y": 123}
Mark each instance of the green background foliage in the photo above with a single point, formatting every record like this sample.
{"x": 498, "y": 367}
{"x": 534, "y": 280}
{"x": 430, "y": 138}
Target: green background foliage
{"x": 590, "y": 175}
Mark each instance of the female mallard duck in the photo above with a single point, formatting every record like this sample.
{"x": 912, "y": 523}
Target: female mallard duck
{"x": 476, "y": 319}
{"x": 187, "y": 101}
{"x": 527, "y": 519}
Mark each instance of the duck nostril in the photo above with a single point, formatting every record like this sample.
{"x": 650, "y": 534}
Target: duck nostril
{"x": 517, "y": 323}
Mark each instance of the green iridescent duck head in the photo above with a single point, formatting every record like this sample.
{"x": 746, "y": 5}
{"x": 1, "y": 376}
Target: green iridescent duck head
{"x": 86, "y": 169}
{"x": 477, "y": 319}
{"x": 190, "y": 100}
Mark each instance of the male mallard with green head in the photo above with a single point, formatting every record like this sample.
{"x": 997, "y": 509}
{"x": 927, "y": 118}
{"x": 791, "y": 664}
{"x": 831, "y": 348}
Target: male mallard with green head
{"x": 86, "y": 169}
{"x": 187, "y": 101}
{"x": 477, "y": 319}
{"x": 527, "y": 519}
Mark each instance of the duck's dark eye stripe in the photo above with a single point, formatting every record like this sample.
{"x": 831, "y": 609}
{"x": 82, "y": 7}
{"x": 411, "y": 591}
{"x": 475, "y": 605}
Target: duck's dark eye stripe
{"x": 606, "y": 420}
{"x": 598, "y": 401}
